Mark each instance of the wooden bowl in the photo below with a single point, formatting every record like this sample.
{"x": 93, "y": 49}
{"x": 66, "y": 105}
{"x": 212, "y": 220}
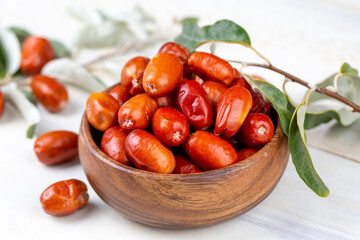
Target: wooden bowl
{"x": 188, "y": 200}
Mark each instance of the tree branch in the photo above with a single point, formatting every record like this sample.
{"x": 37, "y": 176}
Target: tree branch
{"x": 127, "y": 47}
{"x": 353, "y": 106}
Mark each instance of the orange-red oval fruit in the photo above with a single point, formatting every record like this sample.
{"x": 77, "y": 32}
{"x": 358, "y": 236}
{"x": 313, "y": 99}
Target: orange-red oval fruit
{"x": 162, "y": 75}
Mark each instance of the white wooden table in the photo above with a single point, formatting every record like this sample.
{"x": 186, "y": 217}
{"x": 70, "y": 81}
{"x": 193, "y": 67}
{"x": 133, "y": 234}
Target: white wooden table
{"x": 310, "y": 39}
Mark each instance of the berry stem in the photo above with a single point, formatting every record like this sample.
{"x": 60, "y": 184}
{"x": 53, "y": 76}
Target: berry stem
{"x": 353, "y": 106}
{"x": 128, "y": 47}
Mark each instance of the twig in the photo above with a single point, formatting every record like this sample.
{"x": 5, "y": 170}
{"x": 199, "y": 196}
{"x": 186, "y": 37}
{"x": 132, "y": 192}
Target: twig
{"x": 5, "y": 80}
{"x": 336, "y": 79}
{"x": 242, "y": 44}
{"x": 308, "y": 95}
{"x": 127, "y": 47}
{"x": 122, "y": 50}
{"x": 260, "y": 55}
{"x": 335, "y": 95}
{"x": 20, "y": 80}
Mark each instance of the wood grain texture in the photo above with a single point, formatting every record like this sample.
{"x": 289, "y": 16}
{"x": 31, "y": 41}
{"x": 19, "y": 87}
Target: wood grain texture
{"x": 183, "y": 201}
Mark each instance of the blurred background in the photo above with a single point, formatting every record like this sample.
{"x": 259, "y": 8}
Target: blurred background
{"x": 310, "y": 39}
{"x": 322, "y": 33}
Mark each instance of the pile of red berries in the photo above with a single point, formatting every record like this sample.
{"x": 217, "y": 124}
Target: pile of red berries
{"x": 160, "y": 121}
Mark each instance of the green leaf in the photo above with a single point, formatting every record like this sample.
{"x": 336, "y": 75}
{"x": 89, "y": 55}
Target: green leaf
{"x": 2, "y": 65}
{"x": 10, "y": 51}
{"x": 88, "y": 16}
{"x": 114, "y": 28}
{"x": 59, "y": 49}
{"x": 138, "y": 22}
{"x": 20, "y": 33}
{"x": 71, "y": 72}
{"x": 277, "y": 98}
{"x": 343, "y": 116}
{"x": 194, "y": 20}
{"x": 300, "y": 154}
{"x": 347, "y": 69}
{"x": 30, "y": 132}
{"x": 349, "y": 87}
{"x": 28, "y": 94}
{"x": 193, "y": 36}
{"x": 28, "y": 110}
{"x": 105, "y": 34}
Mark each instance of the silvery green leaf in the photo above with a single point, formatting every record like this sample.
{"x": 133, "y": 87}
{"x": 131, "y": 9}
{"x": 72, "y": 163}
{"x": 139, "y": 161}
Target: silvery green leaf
{"x": 347, "y": 69}
{"x": 20, "y": 33}
{"x": 27, "y": 109}
{"x": 28, "y": 94}
{"x": 138, "y": 21}
{"x": 10, "y": 51}
{"x": 71, "y": 72}
{"x": 2, "y": 66}
{"x": 106, "y": 34}
{"x": 300, "y": 154}
{"x": 320, "y": 114}
{"x": 348, "y": 85}
{"x": 194, "y": 20}
{"x": 86, "y": 15}
{"x": 148, "y": 21}
{"x": 59, "y": 49}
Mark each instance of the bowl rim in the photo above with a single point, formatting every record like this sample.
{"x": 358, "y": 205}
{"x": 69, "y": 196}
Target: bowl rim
{"x": 95, "y": 150}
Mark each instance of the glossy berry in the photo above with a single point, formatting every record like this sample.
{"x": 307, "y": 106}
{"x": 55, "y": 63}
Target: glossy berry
{"x": 214, "y": 90}
{"x": 137, "y": 112}
{"x": 132, "y": 74}
{"x": 199, "y": 80}
{"x": 241, "y": 82}
{"x": 231, "y": 111}
{"x": 237, "y": 74}
{"x": 56, "y": 147}
{"x": 209, "y": 151}
{"x": 49, "y": 92}
{"x": 245, "y": 153}
{"x": 162, "y": 75}
{"x": 170, "y": 126}
{"x": 210, "y": 67}
{"x": 2, "y": 103}
{"x": 148, "y": 153}
{"x": 120, "y": 93}
{"x": 180, "y": 52}
{"x": 64, "y": 197}
{"x": 267, "y": 109}
{"x": 167, "y": 101}
{"x": 193, "y": 101}
{"x": 113, "y": 144}
{"x": 102, "y": 110}
{"x": 185, "y": 166}
{"x": 257, "y": 130}
{"x": 35, "y": 53}
{"x": 258, "y": 103}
